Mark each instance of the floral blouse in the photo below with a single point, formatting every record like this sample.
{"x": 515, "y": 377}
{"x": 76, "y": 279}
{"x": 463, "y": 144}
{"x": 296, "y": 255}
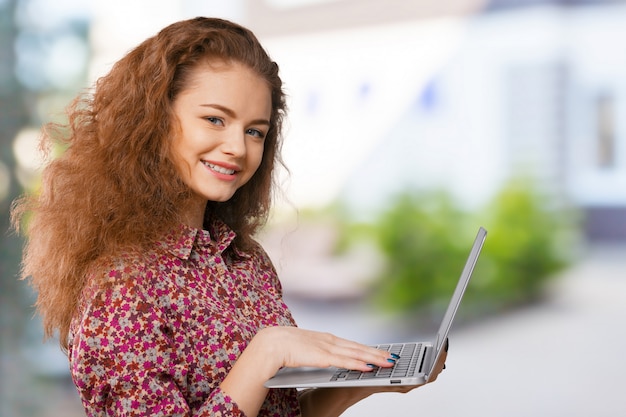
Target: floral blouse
{"x": 164, "y": 330}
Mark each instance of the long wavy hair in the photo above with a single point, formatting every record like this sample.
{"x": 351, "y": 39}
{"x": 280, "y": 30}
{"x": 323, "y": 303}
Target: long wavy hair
{"x": 115, "y": 187}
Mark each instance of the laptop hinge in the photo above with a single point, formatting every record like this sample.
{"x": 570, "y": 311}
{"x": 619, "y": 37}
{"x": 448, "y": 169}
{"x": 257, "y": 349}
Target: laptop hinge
{"x": 423, "y": 359}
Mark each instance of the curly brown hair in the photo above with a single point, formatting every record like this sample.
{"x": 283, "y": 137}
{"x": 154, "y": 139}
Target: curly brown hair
{"x": 116, "y": 187}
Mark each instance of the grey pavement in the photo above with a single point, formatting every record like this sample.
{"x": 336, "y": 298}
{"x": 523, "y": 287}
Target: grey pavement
{"x": 564, "y": 357}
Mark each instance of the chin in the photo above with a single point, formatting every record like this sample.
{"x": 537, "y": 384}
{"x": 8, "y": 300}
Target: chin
{"x": 221, "y": 198}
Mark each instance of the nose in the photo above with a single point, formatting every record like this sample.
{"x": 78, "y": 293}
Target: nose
{"x": 234, "y": 143}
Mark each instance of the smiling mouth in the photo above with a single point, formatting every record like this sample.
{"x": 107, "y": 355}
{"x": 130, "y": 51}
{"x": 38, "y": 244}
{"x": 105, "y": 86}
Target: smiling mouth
{"x": 219, "y": 169}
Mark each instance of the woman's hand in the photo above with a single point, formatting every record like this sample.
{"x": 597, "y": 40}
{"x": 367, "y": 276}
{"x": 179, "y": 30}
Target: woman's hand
{"x": 331, "y": 402}
{"x": 273, "y": 348}
{"x": 439, "y": 366}
{"x": 295, "y": 347}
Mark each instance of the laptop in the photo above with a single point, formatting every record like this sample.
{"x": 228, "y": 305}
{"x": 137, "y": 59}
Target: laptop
{"x": 417, "y": 359}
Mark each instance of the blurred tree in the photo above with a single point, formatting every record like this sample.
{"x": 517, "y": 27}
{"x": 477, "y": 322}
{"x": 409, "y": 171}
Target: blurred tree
{"x": 13, "y": 116}
{"x": 43, "y": 56}
{"x": 424, "y": 237}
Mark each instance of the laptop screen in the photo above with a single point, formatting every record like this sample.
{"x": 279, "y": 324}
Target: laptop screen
{"x": 446, "y": 323}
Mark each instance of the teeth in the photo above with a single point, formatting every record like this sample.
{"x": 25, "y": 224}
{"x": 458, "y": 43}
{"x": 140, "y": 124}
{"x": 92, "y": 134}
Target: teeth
{"x": 219, "y": 169}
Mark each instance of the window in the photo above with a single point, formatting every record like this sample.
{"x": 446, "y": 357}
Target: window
{"x": 605, "y": 131}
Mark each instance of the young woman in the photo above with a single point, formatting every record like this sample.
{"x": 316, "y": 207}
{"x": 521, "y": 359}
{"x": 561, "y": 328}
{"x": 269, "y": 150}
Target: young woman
{"x": 140, "y": 242}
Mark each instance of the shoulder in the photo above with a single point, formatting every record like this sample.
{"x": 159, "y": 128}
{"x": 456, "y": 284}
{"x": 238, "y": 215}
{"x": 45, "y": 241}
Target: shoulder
{"x": 117, "y": 294}
{"x": 256, "y": 255}
{"x": 122, "y": 267}
{"x": 124, "y": 275}
{"x": 255, "y": 249}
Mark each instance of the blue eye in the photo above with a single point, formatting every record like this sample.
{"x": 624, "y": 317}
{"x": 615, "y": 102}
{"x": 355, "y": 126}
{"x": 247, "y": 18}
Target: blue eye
{"x": 256, "y": 133}
{"x": 215, "y": 120}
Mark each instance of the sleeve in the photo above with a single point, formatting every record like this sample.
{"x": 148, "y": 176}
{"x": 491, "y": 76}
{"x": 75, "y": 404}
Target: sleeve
{"x": 125, "y": 362}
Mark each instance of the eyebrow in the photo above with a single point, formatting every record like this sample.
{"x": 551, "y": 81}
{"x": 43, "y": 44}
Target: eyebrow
{"x": 231, "y": 113}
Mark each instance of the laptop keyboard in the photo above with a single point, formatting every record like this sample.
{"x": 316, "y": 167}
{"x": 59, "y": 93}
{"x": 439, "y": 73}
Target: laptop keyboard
{"x": 404, "y": 367}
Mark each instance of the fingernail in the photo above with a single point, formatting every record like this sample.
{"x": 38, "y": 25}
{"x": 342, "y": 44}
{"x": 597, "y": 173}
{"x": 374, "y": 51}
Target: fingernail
{"x": 371, "y": 365}
{"x": 391, "y": 360}
{"x": 393, "y": 355}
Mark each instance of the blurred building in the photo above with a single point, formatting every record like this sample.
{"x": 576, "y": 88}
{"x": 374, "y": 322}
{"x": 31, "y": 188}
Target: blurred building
{"x": 459, "y": 94}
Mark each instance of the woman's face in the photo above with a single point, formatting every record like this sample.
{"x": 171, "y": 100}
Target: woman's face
{"x": 224, "y": 115}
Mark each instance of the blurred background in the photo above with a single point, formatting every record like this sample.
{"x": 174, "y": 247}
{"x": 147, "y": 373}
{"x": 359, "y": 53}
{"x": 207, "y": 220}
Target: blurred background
{"x": 411, "y": 124}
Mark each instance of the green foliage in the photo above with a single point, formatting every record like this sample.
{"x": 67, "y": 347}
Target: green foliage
{"x": 419, "y": 237}
{"x": 530, "y": 239}
{"x": 426, "y": 237}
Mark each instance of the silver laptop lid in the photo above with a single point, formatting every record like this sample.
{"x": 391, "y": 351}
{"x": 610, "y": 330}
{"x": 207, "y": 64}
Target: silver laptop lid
{"x": 446, "y": 323}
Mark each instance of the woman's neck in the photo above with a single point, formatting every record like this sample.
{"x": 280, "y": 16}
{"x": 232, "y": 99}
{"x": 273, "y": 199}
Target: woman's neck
{"x": 193, "y": 213}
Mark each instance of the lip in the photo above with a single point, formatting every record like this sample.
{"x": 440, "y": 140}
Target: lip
{"x": 220, "y": 175}
{"x": 225, "y": 165}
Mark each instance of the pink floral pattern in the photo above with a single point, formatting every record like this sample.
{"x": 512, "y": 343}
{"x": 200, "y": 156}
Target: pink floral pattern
{"x": 164, "y": 330}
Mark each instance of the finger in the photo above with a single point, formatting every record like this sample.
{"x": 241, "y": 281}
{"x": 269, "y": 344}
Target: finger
{"x": 354, "y": 355}
{"x": 380, "y": 358}
{"x": 360, "y": 350}
{"x": 360, "y": 357}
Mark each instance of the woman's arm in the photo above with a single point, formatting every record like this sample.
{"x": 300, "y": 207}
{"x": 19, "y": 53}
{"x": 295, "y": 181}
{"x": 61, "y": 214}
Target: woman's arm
{"x": 276, "y": 347}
